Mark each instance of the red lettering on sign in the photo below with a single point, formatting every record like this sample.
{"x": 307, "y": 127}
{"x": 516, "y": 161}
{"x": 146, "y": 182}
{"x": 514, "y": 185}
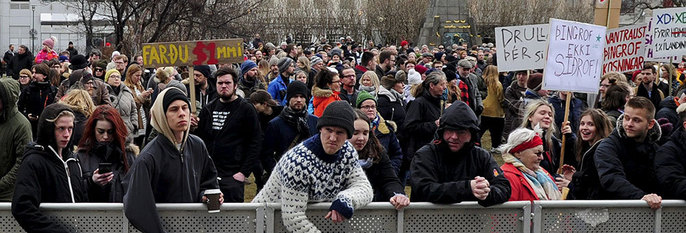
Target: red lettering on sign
{"x": 199, "y": 52}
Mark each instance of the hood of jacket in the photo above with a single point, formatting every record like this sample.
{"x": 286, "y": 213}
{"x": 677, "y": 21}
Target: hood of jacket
{"x": 46, "y": 127}
{"x": 322, "y": 93}
{"x": 9, "y": 93}
{"x": 392, "y": 95}
{"x": 158, "y": 119}
{"x": 458, "y": 116}
{"x": 654, "y": 134}
{"x": 668, "y": 102}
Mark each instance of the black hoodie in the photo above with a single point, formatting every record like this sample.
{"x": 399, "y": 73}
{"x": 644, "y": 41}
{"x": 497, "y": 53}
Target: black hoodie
{"x": 45, "y": 177}
{"x": 442, "y": 176}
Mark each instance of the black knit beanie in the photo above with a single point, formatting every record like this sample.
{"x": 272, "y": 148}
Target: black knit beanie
{"x": 204, "y": 70}
{"x": 338, "y": 114}
{"x": 172, "y": 95}
{"x": 297, "y": 87}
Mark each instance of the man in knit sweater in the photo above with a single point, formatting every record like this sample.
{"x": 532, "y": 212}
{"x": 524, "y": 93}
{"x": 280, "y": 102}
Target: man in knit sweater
{"x": 322, "y": 168}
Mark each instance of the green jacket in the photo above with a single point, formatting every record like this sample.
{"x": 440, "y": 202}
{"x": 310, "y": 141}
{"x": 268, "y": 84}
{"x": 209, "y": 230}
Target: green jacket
{"x": 15, "y": 134}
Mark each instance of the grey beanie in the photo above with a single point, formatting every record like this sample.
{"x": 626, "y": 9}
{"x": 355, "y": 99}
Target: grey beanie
{"x": 273, "y": 61}
{"x": 315, "y": 60}
{"x": 284, "y": 63}
{"x": 338, "y": 114}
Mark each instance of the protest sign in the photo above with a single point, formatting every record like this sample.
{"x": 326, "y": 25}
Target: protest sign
{"x": 668, "y": 31}
{"x": 649, "y": 54}
{"x": 521, "y": 47}
{"x": 189, "y": 53}
{"x": 575, "y": 56}
{"x": 624, "y": 48}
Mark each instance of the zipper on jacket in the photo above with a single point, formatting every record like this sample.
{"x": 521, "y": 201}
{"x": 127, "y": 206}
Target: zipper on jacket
{"x": 66, "y": 171}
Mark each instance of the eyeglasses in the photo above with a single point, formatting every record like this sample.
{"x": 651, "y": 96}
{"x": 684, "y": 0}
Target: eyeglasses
{"x": 114, "y": 76}
{"x": 349, "y": 76}
{"x": 368, "y": 107}
{"x": 89, "y": 83}
{"x": 336, "y": 81}
{"x": 23, "y": 76}
{"x": 540, "y": 153}
{"x": 100, "y": 70}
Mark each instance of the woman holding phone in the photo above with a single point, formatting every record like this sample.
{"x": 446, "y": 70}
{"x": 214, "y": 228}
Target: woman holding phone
{"x": 104, "y": 155}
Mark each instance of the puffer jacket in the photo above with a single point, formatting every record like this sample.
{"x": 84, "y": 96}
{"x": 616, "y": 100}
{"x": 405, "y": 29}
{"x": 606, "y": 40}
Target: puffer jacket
{"x": 126, "y": 104}
{"x": 322, "y": 98}
{"x": 625, "y": 167}
{"x": 670, "y": 165}
{"x": 15, "y": 133}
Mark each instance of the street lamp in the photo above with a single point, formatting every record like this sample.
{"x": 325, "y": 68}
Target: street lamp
{"x": 33, "y": 28}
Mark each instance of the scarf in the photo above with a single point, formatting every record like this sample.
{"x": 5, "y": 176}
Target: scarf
{"x": 544, "y": 187}
{"x": 298, "y": 120}
{"x": 116, "y": 89}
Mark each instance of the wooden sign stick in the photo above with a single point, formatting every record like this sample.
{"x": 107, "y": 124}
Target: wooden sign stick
{"x": 564, "y": 137}
{"x": 191, "y": 86}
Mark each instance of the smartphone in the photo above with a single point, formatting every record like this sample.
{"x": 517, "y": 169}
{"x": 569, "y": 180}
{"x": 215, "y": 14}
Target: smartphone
{"x": 105, "y": 168}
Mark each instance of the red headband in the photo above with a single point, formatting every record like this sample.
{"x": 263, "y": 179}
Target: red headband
{"x": 534, "y": 142}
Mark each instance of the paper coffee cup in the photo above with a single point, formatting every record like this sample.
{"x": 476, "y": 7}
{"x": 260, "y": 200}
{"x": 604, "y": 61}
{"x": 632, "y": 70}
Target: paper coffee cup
{"x": 213, "y": 200}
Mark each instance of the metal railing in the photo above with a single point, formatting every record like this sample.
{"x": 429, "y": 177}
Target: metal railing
{"x": 523, "y": 216}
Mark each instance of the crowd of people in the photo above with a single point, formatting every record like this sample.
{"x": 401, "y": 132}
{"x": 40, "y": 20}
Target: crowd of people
{"x": 338, "y": 122}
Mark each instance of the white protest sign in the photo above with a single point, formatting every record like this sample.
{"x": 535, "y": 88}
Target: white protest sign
{"x": 575, "y": 56}
{"x": 668, "y": 30}
{"x": 624, "y": 48}
{"x": 649, "y": 54}
{"x": 521, "y": 47}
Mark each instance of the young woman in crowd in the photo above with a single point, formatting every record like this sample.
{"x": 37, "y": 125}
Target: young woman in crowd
{"x": 615, "y": 97}
{"x": 493, "y": 116}
{"x": 369, "y": 82}
{"x": 142, "y": 98}
{"x": 539, "y": 116}
{"x": 384, "y": 130}
{"x": 326, "y": 88}
{"x": 122, "y": 99}
{"x": 82, "y": 105}
{"x": 376, "y": 165}
{"x": 523, "y": 154}
{"x": 104, "y": 155}
{"x": 593, "y": 127}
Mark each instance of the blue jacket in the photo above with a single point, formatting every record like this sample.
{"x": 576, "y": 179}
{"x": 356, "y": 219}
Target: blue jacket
{"x": 277, "y": 89}
{"x": 576, "y": 107}
{"x": 278, "y": 138}
{"x": 390, "y": 143}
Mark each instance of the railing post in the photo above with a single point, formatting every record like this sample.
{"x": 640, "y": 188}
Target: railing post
{"x": 401, "y": 220}
{"x": 124, "y": 222}
{"x": 658, "y": 220}
{"x": 526, "y": 218}
{"x": 537, "y": 217}
{"x": 259, "y": 220}
{"x": 270, "y": 218}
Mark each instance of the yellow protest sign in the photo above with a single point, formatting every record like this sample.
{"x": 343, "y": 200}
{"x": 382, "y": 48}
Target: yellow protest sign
{"x": 189, "y": 53}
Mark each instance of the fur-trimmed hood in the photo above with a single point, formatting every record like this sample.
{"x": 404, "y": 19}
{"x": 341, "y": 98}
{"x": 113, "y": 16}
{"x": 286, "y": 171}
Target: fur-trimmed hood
{"x": 319, "y": 92}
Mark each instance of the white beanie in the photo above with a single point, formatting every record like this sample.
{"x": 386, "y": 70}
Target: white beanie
{"x": 413, "y": 77}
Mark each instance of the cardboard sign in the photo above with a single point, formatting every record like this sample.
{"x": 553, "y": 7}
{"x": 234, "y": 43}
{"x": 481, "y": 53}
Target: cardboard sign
{"x": 521, "y": 47}
{"x": 668, "y": 31}
{"x": 624, "y": 48}
{"x": 575, "y": 56}
{"x": 649, "y": 54}
{"x": 189, "y": 53}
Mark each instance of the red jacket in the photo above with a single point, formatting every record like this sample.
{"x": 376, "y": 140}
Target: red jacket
{"x": 521, "y": 190}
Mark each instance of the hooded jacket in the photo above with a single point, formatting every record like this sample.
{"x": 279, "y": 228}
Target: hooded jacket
{"x": 322, "y": 98}
{"x": 45, "y": 177}
{"x": 442, "y": 176}
{"x": 15, "y": 133}
{"x": 391, "y": 106}
{"x": 125, "y": 102}
{"x": 625, "y": 167}
{"x": 165, "y": 173}
{"x": 670, "y": 165}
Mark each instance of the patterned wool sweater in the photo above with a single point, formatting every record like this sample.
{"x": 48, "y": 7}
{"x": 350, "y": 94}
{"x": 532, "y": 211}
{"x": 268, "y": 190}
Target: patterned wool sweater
{"x": 307, "y": 174}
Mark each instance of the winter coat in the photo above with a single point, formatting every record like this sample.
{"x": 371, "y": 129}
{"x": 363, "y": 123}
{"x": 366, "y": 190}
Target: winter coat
{"x": 279, "y": 138}
{"x": 667, "y": 110}
{"x": 475, "y": 100}
{"x": 670, "y": 166}
{"x": 34, "y": 98}
{"x": 203, "y": 99}
{"x": 277, "y": 89}
{"x": 233, "y": 138}
{"x": 44, "y": 177}
{"x": 322, "y": 98}
{"x": 306, "y": 174}
{"x": 441, "y": 176}
{"x": 46, "y": 56}
{"x": 420, "y": 122}
{"x": 245, "y": 88}
{"x": 126, "y": 104}
{"x": 15, "y": 133}
{"x": 576, "y": 107}
{"x": 392, "y": 107}
{"x": 163, "y": 174}
{"x": 352, "y": 99}
{"x": 384, "y": 180}
{"x": 585, "y": 184}
{"x": 101, "y": 94}
{"x": 385, "y": 133}
{"x": 521, "y": 189}
{"x": 493, "y": 105}
{"x": 514, "y": 107}
{"x": 656, "y": 96}
{"x": 19, "y": 62}
{"x": 625, "y": 167}
{"x": 90, "y": 161}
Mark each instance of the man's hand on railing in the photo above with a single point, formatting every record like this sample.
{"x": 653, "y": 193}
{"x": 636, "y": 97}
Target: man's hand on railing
{"x": 480, "y": 187}
{"x": 335, "y": 216}
{"x": 102, "y": 179}
{"x": 400, "y": 201}
{"x": 654, "y": 201}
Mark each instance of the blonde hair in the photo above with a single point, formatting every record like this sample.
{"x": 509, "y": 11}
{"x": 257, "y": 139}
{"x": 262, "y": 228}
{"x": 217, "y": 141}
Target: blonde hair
{"x": 305, "y": 63}
{"x": 372, "y": 75}
{"x": 79, "y": 100}
{"x": 491, "y": 76}
{"x": 531, "y": 110}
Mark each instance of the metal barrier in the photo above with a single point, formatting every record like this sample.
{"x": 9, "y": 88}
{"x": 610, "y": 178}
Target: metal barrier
{"x": 548, "y": 216}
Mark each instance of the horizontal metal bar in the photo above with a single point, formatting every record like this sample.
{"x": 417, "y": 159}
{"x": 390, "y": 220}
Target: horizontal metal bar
{"x": 417, "y": 205}
{"x": 592, "y": 204}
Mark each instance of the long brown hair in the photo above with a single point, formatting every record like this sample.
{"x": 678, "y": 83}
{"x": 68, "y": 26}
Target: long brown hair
{"x": 105, "y": 113}
{"x": 373, "y": 149}
{"x": 603, "y": 128}
{"x": 491, "y": 76}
